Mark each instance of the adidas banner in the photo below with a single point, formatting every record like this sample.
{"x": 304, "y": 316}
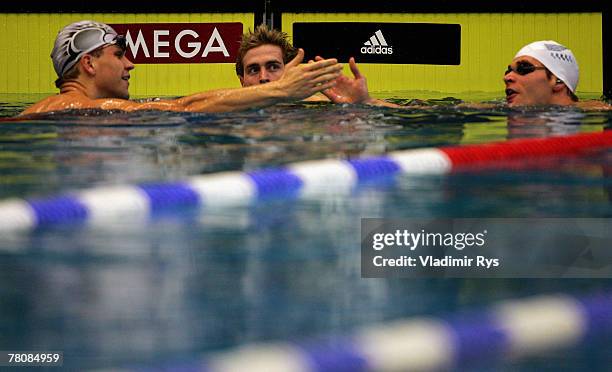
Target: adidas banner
{"x": 398, "y": 43}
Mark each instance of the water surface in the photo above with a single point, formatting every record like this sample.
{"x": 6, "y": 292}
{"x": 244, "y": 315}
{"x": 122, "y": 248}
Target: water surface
{"x": 191, "y": 281}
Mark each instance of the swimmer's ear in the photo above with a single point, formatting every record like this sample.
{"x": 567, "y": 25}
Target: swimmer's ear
{"x": 559, "y": 85}
{"x": 241, "y": 80}
{"x": 297, "y": 59}
{"x": 87, "y": 62}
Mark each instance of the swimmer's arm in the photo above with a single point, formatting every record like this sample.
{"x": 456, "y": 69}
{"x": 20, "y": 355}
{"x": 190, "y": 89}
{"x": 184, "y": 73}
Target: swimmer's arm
{"x": 323, "y": 97}
{"x": 317, "y": 97}
{"x": 593, "y": 105}
{"x": 213, "y": 101}
{"x": 299, "y": 81}
{"x": 223, "y": 100}
{"x": 227, "y": 100}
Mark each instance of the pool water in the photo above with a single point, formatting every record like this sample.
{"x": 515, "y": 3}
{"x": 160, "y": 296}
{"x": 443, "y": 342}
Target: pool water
{"x": 189, "y": 282}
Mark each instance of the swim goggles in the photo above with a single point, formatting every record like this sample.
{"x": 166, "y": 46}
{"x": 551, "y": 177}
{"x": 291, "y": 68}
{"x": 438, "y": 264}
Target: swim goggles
{"x": 523, "y": 68}
{"x": 88, "y": 40}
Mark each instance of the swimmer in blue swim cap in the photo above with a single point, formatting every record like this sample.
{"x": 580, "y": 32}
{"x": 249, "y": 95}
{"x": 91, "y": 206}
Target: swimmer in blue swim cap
{"x": 93, "y": 72}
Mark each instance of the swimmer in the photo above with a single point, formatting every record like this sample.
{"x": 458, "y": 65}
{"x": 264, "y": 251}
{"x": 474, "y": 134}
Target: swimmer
{"x": 93, "y": 72}
{"x": 545, "y": 73}
{"x": 535, "y": 76}
{"x": 263, "y": 56}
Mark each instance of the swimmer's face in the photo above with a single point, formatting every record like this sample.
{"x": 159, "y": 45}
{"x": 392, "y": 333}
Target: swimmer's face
{"x": 113, "y": 73}
{"x": 533, "y": 87}
{"x": 262, "y": 64}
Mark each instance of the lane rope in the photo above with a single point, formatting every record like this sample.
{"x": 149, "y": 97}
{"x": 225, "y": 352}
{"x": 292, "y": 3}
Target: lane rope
{"x": 509, "y": 330}
{"x": 304, "y": 179}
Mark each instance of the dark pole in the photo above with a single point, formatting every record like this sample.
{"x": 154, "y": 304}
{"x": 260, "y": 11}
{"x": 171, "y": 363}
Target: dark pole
{"x": 606, "y": 49}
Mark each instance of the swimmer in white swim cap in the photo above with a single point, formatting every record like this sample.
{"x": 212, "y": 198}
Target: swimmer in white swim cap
{"x": 94, "y": 72}
{"x": 542, "y": 73}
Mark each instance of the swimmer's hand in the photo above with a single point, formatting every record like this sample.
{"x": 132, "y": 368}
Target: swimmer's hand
{"x": 353, "y": 90}
{"x": 303, "y": 80}
{"x": 349, "y": 90}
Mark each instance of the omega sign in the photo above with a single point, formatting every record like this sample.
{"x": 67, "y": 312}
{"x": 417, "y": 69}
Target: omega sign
{"x": 181, "y": 42}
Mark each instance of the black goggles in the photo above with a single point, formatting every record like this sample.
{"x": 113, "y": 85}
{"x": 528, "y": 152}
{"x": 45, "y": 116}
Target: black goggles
{"x": 121, "y": 42}
{"x": 523, "y": 68}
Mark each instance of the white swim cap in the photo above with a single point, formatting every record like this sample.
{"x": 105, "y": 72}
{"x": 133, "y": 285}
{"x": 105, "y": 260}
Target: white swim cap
{"x": 79, "y": 38}
{"x": 555, "y": 57}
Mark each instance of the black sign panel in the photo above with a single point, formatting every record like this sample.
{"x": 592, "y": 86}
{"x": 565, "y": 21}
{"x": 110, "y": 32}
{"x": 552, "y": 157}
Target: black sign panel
{"x": 398, "y": 43}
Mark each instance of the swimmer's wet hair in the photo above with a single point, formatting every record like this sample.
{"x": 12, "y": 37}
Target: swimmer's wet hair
{"x": 262, "y": 36}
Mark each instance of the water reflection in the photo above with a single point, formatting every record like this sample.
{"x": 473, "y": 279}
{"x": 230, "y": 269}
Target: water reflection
{"x": 193, "y": 281}
{"x": 77, "y": 149}
{"x": 534, "y": 123}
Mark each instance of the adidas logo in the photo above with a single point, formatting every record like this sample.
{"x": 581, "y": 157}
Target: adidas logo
{"x": 376, "y": 45}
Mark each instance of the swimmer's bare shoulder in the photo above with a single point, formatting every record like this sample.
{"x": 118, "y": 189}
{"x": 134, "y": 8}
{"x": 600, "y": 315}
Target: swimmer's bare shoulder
{"x": 58, "y": 102}
{"x": 594, "y": 105}
{"x": 77, "y": 100}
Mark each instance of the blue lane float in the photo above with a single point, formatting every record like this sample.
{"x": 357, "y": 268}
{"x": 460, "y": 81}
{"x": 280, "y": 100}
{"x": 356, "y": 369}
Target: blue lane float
{"x": 228, "y": 188}
{"x": 506, "y": 331}
{"x": 312, "y": 178}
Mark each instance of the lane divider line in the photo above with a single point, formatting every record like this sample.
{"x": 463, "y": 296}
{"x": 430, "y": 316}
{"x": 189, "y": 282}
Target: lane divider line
{"x": 303, "y": 179}
{"x": 503, "y": 332}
